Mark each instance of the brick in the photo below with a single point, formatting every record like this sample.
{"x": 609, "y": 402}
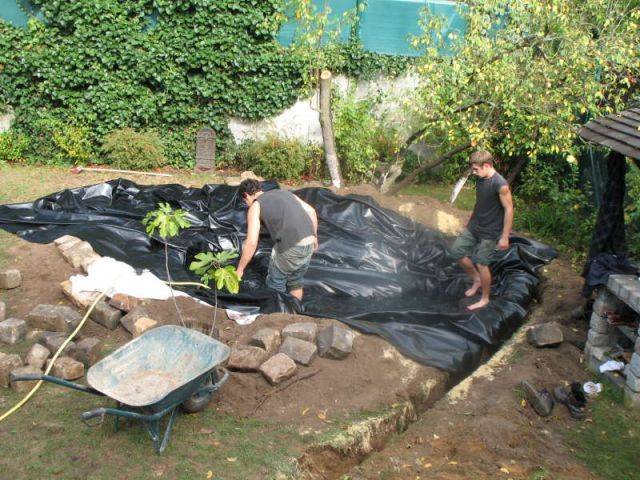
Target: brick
{"x": 596, "y": 339}
{"x": 599, "y": 324}
{"x": 278, "y": 368}
{"x": 106, "y": 315}
{"x": 79, "y": 299}
{"x": 267, "y": 338}
{"x": 136, "y": 326}
{"x": 67, "y": 368}
{"x": 58, "y": 318}
{"x": 246, "y": 358}
{"x": 88, "y": 351}
{"x": 124, "y": 303}
{"x": 22, "y": 387}
{"x": 8, "y": 362}
{"x": 300, "y": 351}
{"x": 335, "y": 342}
{"x": 13, "y": 330}
{"x": 37, "y": 356}
{"x": 545, "y": 335}
{"x": 10, "y": 279}
{"x": 304, "y": 331}
{"x": 3, "y": 311}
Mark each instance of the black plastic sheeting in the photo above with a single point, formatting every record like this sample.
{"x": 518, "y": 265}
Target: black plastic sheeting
{"x": 375, "y": 270}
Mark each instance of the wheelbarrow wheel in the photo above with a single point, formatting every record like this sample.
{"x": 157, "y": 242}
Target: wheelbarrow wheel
{"x": 199, "y": 400}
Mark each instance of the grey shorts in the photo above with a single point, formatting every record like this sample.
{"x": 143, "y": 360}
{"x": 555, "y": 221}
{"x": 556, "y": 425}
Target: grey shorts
{"x": 467, "y": 245}
{"x": 287, "y": 268}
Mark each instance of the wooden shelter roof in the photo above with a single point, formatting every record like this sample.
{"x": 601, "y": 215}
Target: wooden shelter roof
{"x": 619, "y": 132}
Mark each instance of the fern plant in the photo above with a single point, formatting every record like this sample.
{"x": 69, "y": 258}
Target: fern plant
{"x": 168, "y": 223}
{"x": 215, "y": 267}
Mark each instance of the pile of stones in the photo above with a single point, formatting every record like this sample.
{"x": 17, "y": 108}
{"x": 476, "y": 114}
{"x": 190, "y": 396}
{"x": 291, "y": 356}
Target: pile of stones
{"x": 275, "y": 353}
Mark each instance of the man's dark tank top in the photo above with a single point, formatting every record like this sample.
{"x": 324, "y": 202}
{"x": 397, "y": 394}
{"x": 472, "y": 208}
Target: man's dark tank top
{"x": 285, "y": 219}
{"x": 487, "y": 220}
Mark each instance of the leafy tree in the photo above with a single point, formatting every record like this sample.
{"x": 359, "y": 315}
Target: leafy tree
{"x": 523, "y": 77}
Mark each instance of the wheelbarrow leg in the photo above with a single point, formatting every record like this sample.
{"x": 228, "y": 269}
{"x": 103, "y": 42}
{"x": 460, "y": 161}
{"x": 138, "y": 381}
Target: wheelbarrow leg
{"x": 153, "y": 427}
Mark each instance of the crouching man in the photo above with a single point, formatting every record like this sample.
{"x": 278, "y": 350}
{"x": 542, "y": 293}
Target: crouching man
{"x": 488, "y": 229}
{"x": 293, "y": 227}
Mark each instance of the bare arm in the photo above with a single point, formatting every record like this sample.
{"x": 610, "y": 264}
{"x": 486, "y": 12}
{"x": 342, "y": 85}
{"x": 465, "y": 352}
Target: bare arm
{"x": 314, "y": 217}
{"x": 251, "y": 242}
{"x": 507, "y": 203}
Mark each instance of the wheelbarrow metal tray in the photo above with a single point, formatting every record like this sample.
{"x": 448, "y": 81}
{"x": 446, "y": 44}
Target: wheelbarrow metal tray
{"x": 155, "y": 367}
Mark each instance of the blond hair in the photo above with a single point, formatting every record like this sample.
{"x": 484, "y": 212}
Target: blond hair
{"x": 480, "y": 157}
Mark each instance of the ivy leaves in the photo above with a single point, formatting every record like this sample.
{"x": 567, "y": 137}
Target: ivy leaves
{"x": 214, "y": 266}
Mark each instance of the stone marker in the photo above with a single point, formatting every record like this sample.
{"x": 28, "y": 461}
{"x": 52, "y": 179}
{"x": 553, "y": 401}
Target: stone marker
{"x": 205, "y": 150}
{"x": 54, "y": 340}
{"x": 335, "y": 342}
{"x": 88, "y": 351}
{"x": 3, "y": 311}
{"x": 304, "y": 331}
{"x": 79, "y": 299}
{"x": 300, "y": 351}
{"x": 246, "y": 358}
{"x": 137, "y": 326}
{"x": 278, "y": 368}
{"x": 266, "y": 338}
{"x": 545, "y": 335}
{"x": 10, "y": 278}
{"x": 57, "y": 318}
{"x": 37, "y": 356}
{"x": 106, "y": 315}
{"x": 8, "y": 362}
{"x": 123, "y": 302}
{"x": 22, "y": 387}
{"x": 67, "y": 368}
{"x": 12, "y": 330}
{"x": 64, "y": 239}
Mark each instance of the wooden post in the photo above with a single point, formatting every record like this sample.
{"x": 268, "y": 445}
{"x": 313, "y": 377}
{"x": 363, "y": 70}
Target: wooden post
{"x": 326, "y": 125}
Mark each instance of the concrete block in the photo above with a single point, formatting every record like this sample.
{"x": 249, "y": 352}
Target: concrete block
{"x": 246, "y": 358}
{"x": 599, "y": 324}
{"x": 10, "y": 279}
{"x": 37, "y": 356}
{"x": 335, "y": 342}
{"x": 267, "y": 338}
{"x": 300, "y": 351}
{"x": 13, "y": 330}
{"x": 106, "y": 315}
{"x": 57, "y": 318}
{"x": 8, "y": 362}
{"x": 596, "y": 339}
{"x": 23, "y": 387}
{"x": 68, "y": 368}
{"x": 278, "y": 368}
{"x": 303, "y": 330}
{"x": 88, "y": 351}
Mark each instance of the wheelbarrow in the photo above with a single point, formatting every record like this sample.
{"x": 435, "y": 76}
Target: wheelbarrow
{"x": 151, "y": 376}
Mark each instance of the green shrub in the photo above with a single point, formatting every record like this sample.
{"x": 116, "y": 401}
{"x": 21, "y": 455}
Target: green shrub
{"x": 278, "y": 158}
{"x": 54, "y": 141}
{"x": 131, "y": 150}
{"x": 13, "y": 147}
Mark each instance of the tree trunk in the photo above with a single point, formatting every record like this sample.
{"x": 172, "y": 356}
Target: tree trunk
{"x": 517, "y": 168}
{"x": 326, "y": 125}
{"x": 409, "y": 179}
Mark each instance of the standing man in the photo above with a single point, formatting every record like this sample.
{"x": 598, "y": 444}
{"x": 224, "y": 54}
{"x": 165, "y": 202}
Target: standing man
{"x": 488, "y": 228}
{"x": 293, "y": 226}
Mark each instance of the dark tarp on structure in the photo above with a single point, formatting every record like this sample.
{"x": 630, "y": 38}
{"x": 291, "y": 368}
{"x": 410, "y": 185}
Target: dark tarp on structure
{"x": 375, "y": 270}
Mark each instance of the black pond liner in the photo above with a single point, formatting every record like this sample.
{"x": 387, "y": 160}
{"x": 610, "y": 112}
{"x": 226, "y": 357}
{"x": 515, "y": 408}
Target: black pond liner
{"x": 376, "y": 270}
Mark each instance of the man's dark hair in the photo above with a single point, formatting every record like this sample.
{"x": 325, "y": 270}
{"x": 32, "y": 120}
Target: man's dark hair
{"x": 480, "y": 157}
{"x": 249, "y": 186}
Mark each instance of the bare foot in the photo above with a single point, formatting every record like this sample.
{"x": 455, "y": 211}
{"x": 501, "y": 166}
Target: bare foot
{"x": 483, "y": 302}
{"x": 474, "y": 288}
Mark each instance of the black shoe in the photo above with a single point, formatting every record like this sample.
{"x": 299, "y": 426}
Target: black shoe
{"x": 540, "y": 400}
{"x": 573, "y": 404}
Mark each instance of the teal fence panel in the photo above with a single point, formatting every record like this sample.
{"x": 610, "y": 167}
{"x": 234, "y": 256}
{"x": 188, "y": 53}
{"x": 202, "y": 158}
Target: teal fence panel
{"x": 17, "y": 12}
{"x": 337, "y": 10}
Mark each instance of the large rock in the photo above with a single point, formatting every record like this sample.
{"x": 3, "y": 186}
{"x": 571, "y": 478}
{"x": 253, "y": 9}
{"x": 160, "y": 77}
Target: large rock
{"x": 278, "y": 368}
{"x": 335, "y": 342}
{"x": 8, "y": 362}
{"x": 86, "y": 262}
{"x": 106, "y": 315}
{"x": 10, "y": 278}
{"x": 267, "y": 338}
{"x": 3, "y": 311}
{"x": 246, "y": 358}
{"x": 65, "y": 239}
{"x": 136, "y": 325}
{"x": 54, "y": 340}
{"x": 57, "y": 318}
{"x": 37, "y": 356}
{"x": 67, "y": 368}
{"x": 22, "y": 387}
{"x": 12, "y": 330}
{"x": 545, "y": 335}
{"x": 88, "y": 351}
{"x": 124, "y": 303}
{"x": 304, "y": 331}
{"x": 300, "y": 351}
{"x": 77, "y": 254}
{"x": 79, "y": 299}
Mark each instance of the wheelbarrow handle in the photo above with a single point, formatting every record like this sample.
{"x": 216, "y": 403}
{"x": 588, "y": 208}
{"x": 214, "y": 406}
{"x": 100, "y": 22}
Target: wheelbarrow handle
{"x": 96, "y": 413}
{"x": 30, "y": 377}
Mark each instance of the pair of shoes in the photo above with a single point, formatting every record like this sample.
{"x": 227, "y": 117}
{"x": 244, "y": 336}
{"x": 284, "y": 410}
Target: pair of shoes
{"x": 541, "y": 400}
{"x": 574, "y": 399}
